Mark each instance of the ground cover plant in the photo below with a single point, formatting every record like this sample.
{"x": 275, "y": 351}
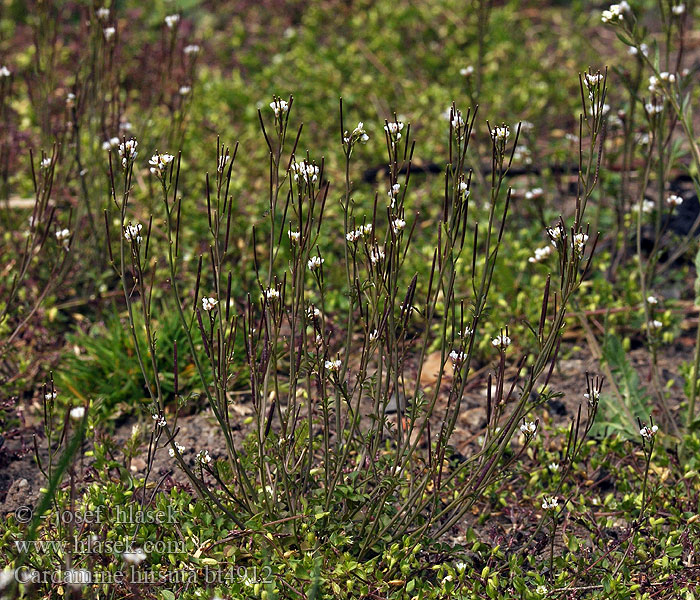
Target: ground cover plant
{"x": 349, "y": 300}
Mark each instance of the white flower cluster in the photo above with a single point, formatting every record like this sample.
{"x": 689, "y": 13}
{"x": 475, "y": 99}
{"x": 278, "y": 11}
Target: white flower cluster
{"x": 5, "y": 72}
{"x": 555, "y": 234}
{"x": 134, "y": 557}
{"x": 132, "y": 233}
{"x": 655, "y": 82}
{"x": 160, "y": 420}
{"x": 593, "y": 79}
{"x": 393, "y": 128}
{"x": 652, "y": 300}
{"x": 191, "y": 49}
{"x": 272, "y": 294}
{"x": 398, "y": 225}
{"x": 353, "y": 236}
{"x": 77, "y": 413}
{"x": 45, "y": 163}
{"x": 644, "y": 48}
{"x": 393, "y": 193}
{"x": 464, "y": 189}
{"x": 127, "y": 151}
{"x": 377, "y": 255}
{"x": 616, "y": 12}
{"x": 654, "y": 108}
{"x": 333, "y": 365}
{"x": 534, "y": 193}
{"x": 111, "y": 143}
{"x": 578, "y": 244}
{"x": 315, "y": 262}
{"x": 159, "y": 163}
{"x": 184, "y": 90}
{"x": 500, "y": 134}
{"x": 655, "y": 324}
{"x": 550, "y": 503}
{"x": 648, "y": 432}
{"x": 180, "y": 449}
{"x": 500, "y": 341}
{"x": 305, "y": 170}
{"x": 294, "y": 236}
{"x": 50, "y": 395}
{"x": 541, "y": 254}
{"x": 467, "y": 71}
{"x": 109, "y": 32}
{"x": 204, "y": 457}
{"x": 172, "y": 20}
{"x": 102, "y": 13}
{"x": 279, "y": 107}
{"x": 674, "y": 200}
{"x": 528, "y": 429}
{"x": 678, "y": 9}
{"x": 593, "y": 397}
{"x": 457, "y": 358}
{"x": 356, "y": 135}
{"x": 63, "y": 236}
{"x": 208, "y": 303}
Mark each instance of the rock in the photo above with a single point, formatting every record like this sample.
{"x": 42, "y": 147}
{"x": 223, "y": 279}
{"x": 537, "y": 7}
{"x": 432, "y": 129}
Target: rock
{"x": 19, "y": 494}
{"x": 473, "y": 418}
{"x": 138, "y": 465}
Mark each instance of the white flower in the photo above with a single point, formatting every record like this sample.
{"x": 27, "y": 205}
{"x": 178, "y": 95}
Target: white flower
{"x": 655, "y": 324}
{"x": 553, "y": 466}
{"x": 500, "y": 134}
{"x": 648, "y": 432}
{"x": 464, "y": 188}
{"x": 541, "y": 254}
{"x": 50, "y": 395}
{"x": 541, "y": 590}
{"x": 398, "y": 225}
{"x": 184, "y": 90}
{"x": 102, "y": 13}
{"x": 648, "y": 206}
{"x": 550, "y": 502}
{"x": 191, "y": 49}
{"x": 674, "y": 200}
{"x": 315, "y": 262}
{"x": 77, "y": 413}
{"x": 272, "y": 293}
{"x": 132, "y": 233}
{"x": 460, "y": 566}
{"x": 180, "y": 449}
{"x": 376, "y": 255}
{"x": 534, "y": 193}
{"x": 353, "y": 236}
{"x": 373, "y": 335}
{"x": 593, "y": 79}
{"x": 333, "y": 365}
{"x": 615, "y": 12}
{"x": 63, "y": 236}
{"x": 500, "y": 341}
{"x": 528, "y": 428}
{"x": 135, "y": 556}
{"x": 209, "y": 303}
{"x": 279, "y": 106}
{"x": 393, "y": 128}
{"x": 127, "y": 151}
{"x": 160, "y": 420}
{"x": 45, "y": 163}
{"x": 307, "y": 171}
{"x": 5, "y": 72}
{"x": 593, "y": 397}
{"x": 357, "y": 134}
{"x": 109, "y": 32}
{"x": 393, "y": 192}
{"x": 466, "y": 71}
{"x": 313, "y": 312}
{"x": 457, "y": 358}
{"x": 294, "y": 236}
{"x": 110, "y": 144}
{"x": 654, "y": 108}
{"x": 678, "y": 9}
{"x": 204, "y": 457}
{"x": 223, "y": 161}
{"x": 159, "y": 163}
{"x": 172, "y": 20}
{"x": 652, "y": 300}
{"x": 555, "y": 234}
{"x": 466, "y": 333}
{"x": 579, "y": 242}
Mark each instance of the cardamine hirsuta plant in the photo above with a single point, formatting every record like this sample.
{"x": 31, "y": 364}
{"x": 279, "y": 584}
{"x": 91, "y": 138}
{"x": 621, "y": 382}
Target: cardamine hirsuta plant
{"x": 340, "y": 415}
